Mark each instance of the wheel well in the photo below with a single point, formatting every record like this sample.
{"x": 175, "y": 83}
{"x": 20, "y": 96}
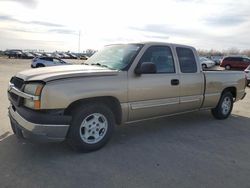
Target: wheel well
{"x": 232, "y": 90}
{"x": 39, "y": 65}
{"x": 112, "y": 102}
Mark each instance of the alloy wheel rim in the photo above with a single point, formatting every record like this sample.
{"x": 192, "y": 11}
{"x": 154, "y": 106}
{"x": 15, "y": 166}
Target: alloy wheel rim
{"x": 226, "y": 105}
{"x": 93, "y": 128}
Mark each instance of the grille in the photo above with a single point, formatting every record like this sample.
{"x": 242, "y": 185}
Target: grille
{"x": 14, "y": 96}
{"x": 18, "y": 83}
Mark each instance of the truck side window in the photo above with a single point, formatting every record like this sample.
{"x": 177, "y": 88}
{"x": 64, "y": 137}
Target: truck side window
{"x": 161, "y": 56}
{"x": 187, "y": 60}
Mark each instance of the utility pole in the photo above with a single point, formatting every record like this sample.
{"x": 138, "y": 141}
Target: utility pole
{"x": 79, "y": 41}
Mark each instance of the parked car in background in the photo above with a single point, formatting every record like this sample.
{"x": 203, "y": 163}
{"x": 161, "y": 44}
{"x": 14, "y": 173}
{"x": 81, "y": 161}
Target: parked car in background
{"x": 72, "y": 56}
{"x": 14, "y": 53}
{"x": 57, "y": 55}
{"x": 36, "y": 54}
{"x": 47, "y": 61}
{"x": 83, "y": 57}
{"x": 46, "y": 54}
{"x": 247, "y": 71}
{"x": 235, "y": 62}
{"x": 216, "y": 59}
{"x": 65, "y": 56}
{"x": 206, "y": 63}
{"x": 27, "y": 55}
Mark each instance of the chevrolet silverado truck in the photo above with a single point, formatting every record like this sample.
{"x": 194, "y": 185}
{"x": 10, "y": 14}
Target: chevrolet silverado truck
{"x": 120, "y": 84}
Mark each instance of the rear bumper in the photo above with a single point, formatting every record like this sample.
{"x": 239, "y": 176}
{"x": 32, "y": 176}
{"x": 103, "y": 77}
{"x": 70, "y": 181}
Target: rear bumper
{"x": 39, "y": 127}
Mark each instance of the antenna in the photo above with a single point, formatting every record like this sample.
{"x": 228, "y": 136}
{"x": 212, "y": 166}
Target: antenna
{"x": 79, "y": 41}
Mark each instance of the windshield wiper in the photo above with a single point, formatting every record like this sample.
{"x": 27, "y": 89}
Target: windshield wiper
{"x": 102, "y": 65}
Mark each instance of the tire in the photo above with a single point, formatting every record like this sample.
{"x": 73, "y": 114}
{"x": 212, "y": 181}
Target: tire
{"x": 39, "y": 65}
{"x": 224, "y": 107}
{"x": 91, "y": 128}
{"x": 204, "y": 66}
{"x": 227, "y": 67}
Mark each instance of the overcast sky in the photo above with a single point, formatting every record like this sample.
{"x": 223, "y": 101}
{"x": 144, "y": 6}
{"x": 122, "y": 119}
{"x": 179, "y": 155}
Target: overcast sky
{"x": 55, "y": 24}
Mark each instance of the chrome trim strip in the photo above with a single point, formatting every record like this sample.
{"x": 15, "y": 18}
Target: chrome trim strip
{"x": 191, "y": 100}
{"x": 194, "y": 98}
{"x": 212, "y": 94}
{"x": 157, "y": 117}
{"x": 153, "y": 103}
{"x": 13, "y": 89}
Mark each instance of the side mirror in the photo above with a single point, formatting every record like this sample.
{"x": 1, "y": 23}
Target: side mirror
{"x": 146, "y": 68}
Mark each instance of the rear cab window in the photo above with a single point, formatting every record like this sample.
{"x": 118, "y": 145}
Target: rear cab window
{"x": 186, "y": 60}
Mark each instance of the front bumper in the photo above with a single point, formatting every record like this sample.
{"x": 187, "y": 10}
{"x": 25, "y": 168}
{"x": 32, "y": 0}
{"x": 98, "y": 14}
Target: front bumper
{"x": 36, "y": 126}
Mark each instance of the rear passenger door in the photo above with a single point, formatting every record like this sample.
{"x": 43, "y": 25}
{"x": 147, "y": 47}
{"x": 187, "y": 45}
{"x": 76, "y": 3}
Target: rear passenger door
{"x": 191, "y": 80}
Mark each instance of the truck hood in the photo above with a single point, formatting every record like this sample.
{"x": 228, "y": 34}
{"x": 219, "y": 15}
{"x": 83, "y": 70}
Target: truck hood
{"x": 66, "y": 71}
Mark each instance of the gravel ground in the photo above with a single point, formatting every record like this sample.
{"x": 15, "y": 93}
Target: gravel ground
{"x": 191, "y": 150}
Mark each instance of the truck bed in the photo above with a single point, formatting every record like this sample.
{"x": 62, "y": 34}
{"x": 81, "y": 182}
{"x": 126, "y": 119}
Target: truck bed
{"x": 217, "y": 80}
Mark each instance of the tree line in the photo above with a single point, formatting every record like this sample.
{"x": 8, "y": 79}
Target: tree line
{"x": 231, "y": 51}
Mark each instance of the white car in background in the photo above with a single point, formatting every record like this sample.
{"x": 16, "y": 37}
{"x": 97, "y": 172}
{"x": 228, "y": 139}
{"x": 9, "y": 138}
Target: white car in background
{"x": 47, "y": 61}
{"x": 217, "y": 59}
{"x": 206, "y": 63}
{"x": 247, "y": 72}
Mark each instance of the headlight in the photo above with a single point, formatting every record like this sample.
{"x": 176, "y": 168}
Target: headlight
{"x": 36, "y": 90}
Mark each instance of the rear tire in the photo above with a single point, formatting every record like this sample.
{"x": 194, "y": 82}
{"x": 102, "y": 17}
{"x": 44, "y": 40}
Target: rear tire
{"x": 204, "y": 66}
{"x": 91, "y": 128}
{"x": 224, "y": 107}
{"x": 227, "y": 67}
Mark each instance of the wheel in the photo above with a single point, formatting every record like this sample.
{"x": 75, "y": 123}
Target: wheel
{"x": 224, "y": 107}
{"x": 227, "y": 67}
{"x": 39, "y": 65}
{"x": 91, "y": 128}
{"x": 204, "y": 66}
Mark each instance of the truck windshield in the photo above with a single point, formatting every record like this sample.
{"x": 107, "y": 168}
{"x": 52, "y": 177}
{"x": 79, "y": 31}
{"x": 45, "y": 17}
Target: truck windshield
{"x": 117, "y": 57}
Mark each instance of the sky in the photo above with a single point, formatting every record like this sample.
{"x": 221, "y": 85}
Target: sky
{"x": 56, "y": 24}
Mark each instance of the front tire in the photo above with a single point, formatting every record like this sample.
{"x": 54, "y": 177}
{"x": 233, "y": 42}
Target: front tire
{"x": 91, "y": 128}
{"x": 224, "y": 107}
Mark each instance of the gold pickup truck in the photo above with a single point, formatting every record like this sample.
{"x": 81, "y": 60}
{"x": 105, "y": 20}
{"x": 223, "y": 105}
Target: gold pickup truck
{"x": 120, "y": 84}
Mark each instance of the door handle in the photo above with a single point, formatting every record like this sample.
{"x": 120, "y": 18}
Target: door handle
{"x": 175, "y": 82}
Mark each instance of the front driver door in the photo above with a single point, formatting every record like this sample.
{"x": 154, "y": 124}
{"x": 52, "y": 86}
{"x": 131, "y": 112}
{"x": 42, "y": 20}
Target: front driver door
{"x": 155, "y": 94}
